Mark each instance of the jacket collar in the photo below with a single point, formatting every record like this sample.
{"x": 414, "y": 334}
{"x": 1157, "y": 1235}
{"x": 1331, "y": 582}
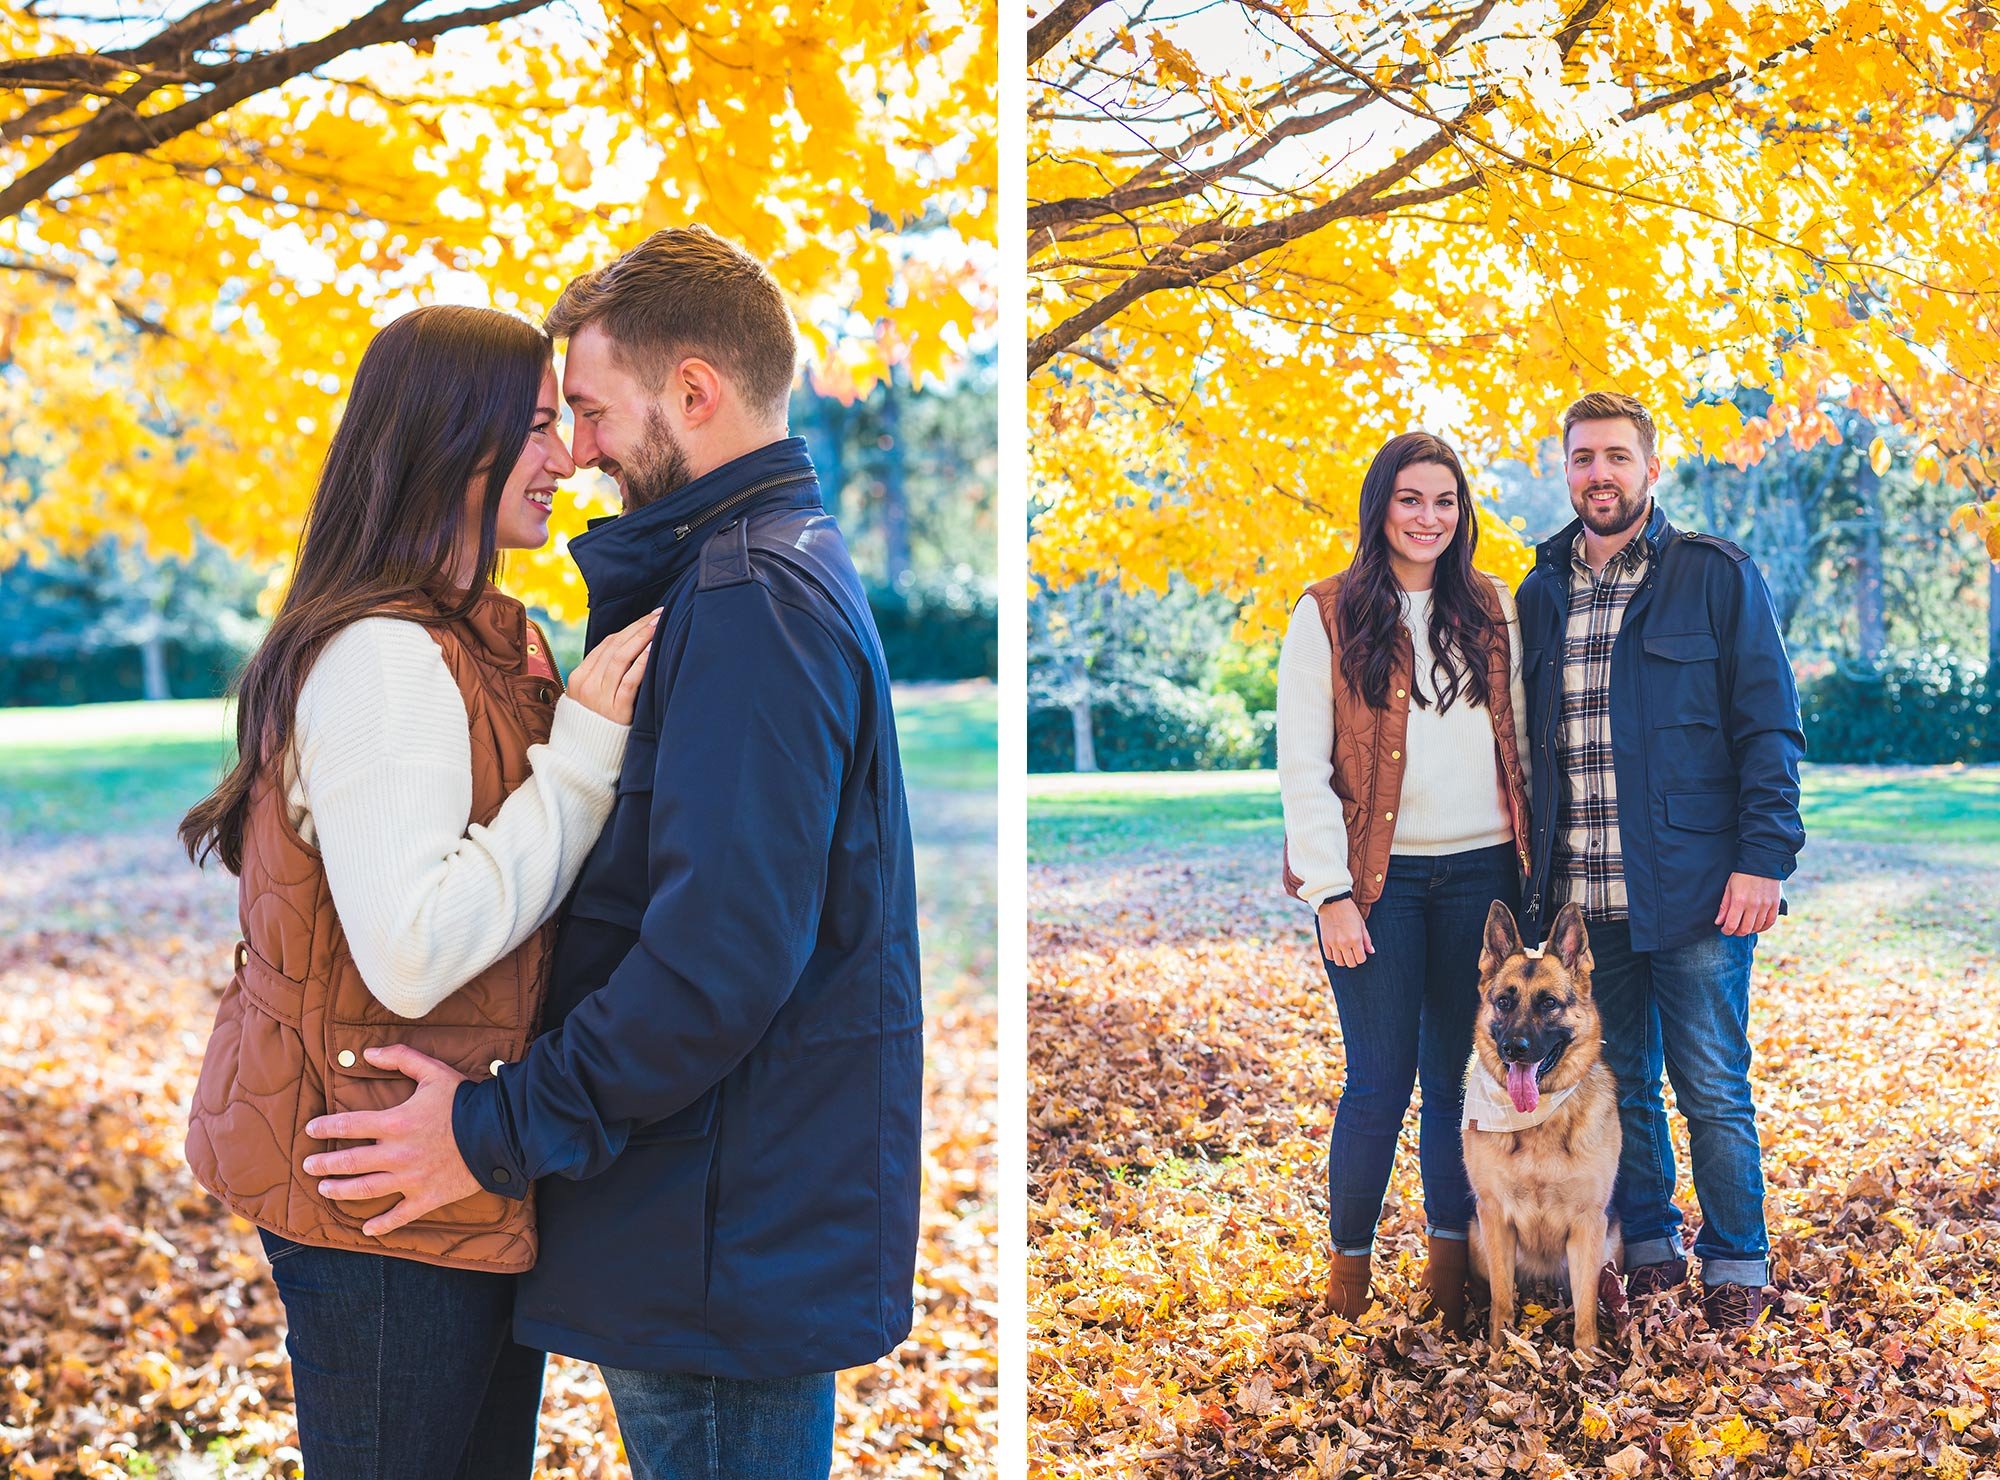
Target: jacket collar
{"x": 1553, "y": 552}
{"x": 625, "y": 552}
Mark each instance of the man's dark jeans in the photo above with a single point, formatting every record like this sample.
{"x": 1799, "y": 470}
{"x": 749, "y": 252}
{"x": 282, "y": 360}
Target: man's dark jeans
{"x": 1701, "y": 993}
{"x": 683, "y": 1426}
{"x": 1406, "y": 1015}
{"x": 405, "y": 1371}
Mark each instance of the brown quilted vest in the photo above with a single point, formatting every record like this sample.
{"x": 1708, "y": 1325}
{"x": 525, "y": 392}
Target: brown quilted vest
{"x": 1368, "y": 748}
{"x": 296, "y": 1017}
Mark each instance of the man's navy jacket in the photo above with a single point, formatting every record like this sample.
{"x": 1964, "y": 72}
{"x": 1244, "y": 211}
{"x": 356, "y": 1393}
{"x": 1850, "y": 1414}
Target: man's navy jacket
{"x": 1705, "y": 734}
{"x": 725, "y": 1106}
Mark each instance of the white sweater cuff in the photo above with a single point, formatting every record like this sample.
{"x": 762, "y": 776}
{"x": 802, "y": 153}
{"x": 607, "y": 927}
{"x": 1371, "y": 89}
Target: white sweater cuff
{"x": 590, "y": 739}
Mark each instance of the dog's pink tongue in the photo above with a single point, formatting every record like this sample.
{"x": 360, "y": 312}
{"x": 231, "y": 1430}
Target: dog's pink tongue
{"x": 1522, "y": 1088}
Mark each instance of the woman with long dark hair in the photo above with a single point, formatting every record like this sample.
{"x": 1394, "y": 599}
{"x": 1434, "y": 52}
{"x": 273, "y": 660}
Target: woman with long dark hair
{"x": 412, "y": 798}
{"x": 1400, "y": 764}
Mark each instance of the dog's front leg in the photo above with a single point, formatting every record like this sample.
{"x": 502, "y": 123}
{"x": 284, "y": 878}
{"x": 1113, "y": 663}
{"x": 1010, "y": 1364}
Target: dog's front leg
{"x": 1500, "y": 1274}
{"x": 1585, "y": 1252}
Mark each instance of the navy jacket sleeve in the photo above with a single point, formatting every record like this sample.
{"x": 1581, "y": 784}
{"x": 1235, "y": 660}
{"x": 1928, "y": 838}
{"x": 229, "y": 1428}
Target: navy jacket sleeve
{"x": 1765, "y": 735}
{"x": 755, "y": 738}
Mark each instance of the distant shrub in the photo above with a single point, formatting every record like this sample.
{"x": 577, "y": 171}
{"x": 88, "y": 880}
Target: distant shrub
{"x": 938, "y": 627}
{"x": 1165, "y": 728}
{"x": 1924, "y": 710}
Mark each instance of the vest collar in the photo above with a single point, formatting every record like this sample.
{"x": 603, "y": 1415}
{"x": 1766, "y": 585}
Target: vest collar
{"x": 496, "y": 629}
{"x": 627, "y": 552}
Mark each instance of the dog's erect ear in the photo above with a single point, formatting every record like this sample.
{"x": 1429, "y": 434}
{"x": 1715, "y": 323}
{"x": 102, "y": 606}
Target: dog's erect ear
{"x": 1569, "y": 940}
{"x": 1503, "y": 939}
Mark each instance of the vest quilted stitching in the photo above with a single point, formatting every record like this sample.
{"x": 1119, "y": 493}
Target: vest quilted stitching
{"x": 294, "y": 1020}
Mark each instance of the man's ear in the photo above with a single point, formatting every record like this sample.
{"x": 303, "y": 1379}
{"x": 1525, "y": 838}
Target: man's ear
{"x": 697, "y": 389}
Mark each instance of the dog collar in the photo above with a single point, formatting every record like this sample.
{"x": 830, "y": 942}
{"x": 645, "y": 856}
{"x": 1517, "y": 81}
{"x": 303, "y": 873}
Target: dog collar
{"x": 1487, "y": 1107}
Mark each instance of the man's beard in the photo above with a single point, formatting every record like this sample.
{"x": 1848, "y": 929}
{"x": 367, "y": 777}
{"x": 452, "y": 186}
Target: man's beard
{"x": 659, "y": 466}
{"x": 1630, "y": 510}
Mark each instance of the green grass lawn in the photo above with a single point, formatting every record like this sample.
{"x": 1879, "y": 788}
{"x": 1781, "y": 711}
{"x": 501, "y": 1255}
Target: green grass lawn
{"x": 102, "y": 768}
{"x": 1081, "y": 817}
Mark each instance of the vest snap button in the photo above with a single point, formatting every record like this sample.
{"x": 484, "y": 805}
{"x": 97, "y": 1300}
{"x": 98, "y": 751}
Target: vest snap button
{"x": 1388, "y": 816}
{"x": 494, "y": 1067}
{"x": 1378, "y": 878}
{"x": 1395, "y": 755}
{"x": 533, "y": 649}
{"x": 347, "y": 1058}
{"x": 1402, "y": 693}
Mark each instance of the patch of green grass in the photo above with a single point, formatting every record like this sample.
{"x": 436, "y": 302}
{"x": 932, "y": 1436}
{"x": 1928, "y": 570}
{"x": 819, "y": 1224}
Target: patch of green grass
{"x": 108, "y": 768}
{"x": 1074, "y": 818}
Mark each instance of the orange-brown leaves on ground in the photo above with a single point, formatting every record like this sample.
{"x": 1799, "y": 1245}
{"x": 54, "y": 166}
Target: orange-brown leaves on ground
{"x": 1184, "y": 1066}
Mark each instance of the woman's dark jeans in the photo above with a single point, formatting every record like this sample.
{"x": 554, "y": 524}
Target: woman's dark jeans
{"x": 405, "y": 1371}
{"x": 1406, "y": 1014}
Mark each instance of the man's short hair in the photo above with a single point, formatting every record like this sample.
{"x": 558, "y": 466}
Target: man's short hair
{"x": 685, "y": 291}
{"x": 1609, "y": 406}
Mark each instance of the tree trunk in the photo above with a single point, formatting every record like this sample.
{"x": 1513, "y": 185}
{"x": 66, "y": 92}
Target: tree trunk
{"x": 1869, "y": 640}
{"x": 895, "y": 497}
{"x": 153, "y": 658}
{"x": 1086, "y": 742}
{"x": 1993, "y": 623}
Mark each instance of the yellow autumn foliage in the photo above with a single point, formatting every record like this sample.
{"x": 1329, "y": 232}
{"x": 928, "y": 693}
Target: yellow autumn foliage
{"x": 1265, "y": 237}
{"x": 178, "y": 323}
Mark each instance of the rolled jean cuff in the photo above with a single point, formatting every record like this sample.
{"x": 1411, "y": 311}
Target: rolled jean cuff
{"x": 1653, "y": 1251}
{"x": 1756, "y": 1273}
{"x": 1362, "y": 1251}
{"x": 1458, "y": 1234}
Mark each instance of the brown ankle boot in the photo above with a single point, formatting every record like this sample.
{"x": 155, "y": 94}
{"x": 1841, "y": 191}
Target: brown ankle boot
{"x": 1347, "y": 1285}
{"x": 1445, "y": 1275}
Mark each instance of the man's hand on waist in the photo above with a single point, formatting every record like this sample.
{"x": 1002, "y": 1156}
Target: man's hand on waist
{"x": 413, "y": 1151}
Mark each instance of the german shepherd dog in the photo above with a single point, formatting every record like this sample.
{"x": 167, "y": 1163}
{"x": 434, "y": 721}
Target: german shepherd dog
{"x": 1542, "y": 1163}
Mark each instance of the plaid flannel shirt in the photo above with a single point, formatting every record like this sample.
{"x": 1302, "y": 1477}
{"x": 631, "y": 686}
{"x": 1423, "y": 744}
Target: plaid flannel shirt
{"x": 1589, "y": 864}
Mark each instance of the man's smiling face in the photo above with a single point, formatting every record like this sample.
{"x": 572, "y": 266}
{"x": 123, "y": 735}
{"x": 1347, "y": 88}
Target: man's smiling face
{"x": 621, "y": 426}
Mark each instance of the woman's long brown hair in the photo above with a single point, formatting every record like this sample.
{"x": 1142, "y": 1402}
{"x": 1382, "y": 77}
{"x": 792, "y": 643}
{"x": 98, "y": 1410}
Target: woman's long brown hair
{"x": 443, "y": 396}
{"x": 1369, "y": 608}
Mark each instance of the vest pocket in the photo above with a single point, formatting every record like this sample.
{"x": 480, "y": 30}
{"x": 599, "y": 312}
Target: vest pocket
{"x": 352, "y": 1083}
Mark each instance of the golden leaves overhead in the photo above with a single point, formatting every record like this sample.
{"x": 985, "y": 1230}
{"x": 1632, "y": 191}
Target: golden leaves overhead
{"x": 1461, "y": 216}
{"x": 178, "y": 324}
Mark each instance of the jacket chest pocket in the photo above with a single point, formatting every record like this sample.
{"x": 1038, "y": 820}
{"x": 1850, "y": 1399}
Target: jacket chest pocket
{"x": 1681, "y": 682}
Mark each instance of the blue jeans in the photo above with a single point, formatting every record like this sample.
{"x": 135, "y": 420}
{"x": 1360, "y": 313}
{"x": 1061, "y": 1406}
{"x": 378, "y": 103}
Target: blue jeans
{"x": 1701, "y": 992}
{"x": 682, "y": 1426}
{"x": 1406, "y": 1016}
{"x": 405, "y": 1371}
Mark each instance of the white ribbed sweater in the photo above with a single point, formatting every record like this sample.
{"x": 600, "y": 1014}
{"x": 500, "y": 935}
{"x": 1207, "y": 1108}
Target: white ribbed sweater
{"x": 1451, "y": 798}
{"x": 379, "y": 779}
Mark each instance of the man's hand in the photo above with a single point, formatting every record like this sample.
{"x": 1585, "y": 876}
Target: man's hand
{"x": 413, "y": 1153}
{"x": 1749, "y": 905}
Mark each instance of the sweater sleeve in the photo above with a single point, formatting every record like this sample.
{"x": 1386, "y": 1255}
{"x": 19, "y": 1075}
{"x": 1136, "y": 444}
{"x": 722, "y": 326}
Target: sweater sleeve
{"x": 1315, "y": 830}
{"x": 427, "y": 898}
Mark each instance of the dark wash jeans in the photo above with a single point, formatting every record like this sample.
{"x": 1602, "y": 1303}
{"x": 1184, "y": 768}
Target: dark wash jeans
{"x": 1406, "y": 1016}
{"x": 405, "y": 1371}
{"x": 684, "y": 1426}
{"x": 1700, "y": 992}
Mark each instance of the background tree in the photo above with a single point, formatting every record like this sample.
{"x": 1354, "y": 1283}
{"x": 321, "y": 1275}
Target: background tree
{"x": 204, "y": 216}
{"x": 1264, "y": 237}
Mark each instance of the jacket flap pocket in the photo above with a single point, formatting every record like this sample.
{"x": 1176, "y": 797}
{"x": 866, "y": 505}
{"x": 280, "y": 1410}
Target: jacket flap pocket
{"x": 641, "y": 750}
{"x": 1701, "y": 811}
{"x": 1683, "y": 647}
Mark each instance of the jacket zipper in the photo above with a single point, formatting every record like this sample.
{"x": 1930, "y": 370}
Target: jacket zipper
{"x": 681, "y": 531}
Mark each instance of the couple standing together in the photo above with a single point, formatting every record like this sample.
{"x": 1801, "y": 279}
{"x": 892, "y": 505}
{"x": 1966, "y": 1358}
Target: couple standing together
{"x": 647, "y": 948}
{"x": 1630, "y": 741}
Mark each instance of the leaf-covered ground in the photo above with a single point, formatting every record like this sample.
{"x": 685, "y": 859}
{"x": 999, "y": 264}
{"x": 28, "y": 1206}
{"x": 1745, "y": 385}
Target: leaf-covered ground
{"x": 139, "y": 1331}
{"x": 1184, "y": 1066}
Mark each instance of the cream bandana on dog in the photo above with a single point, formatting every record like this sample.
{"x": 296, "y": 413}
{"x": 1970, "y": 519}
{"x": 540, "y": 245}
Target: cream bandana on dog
{"x": 1488, "y": 1108}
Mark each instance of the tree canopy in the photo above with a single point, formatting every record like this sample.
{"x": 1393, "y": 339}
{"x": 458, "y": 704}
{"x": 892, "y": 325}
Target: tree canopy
{"x": 1265, "y": 237}
{"x": 204, "y": 218}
